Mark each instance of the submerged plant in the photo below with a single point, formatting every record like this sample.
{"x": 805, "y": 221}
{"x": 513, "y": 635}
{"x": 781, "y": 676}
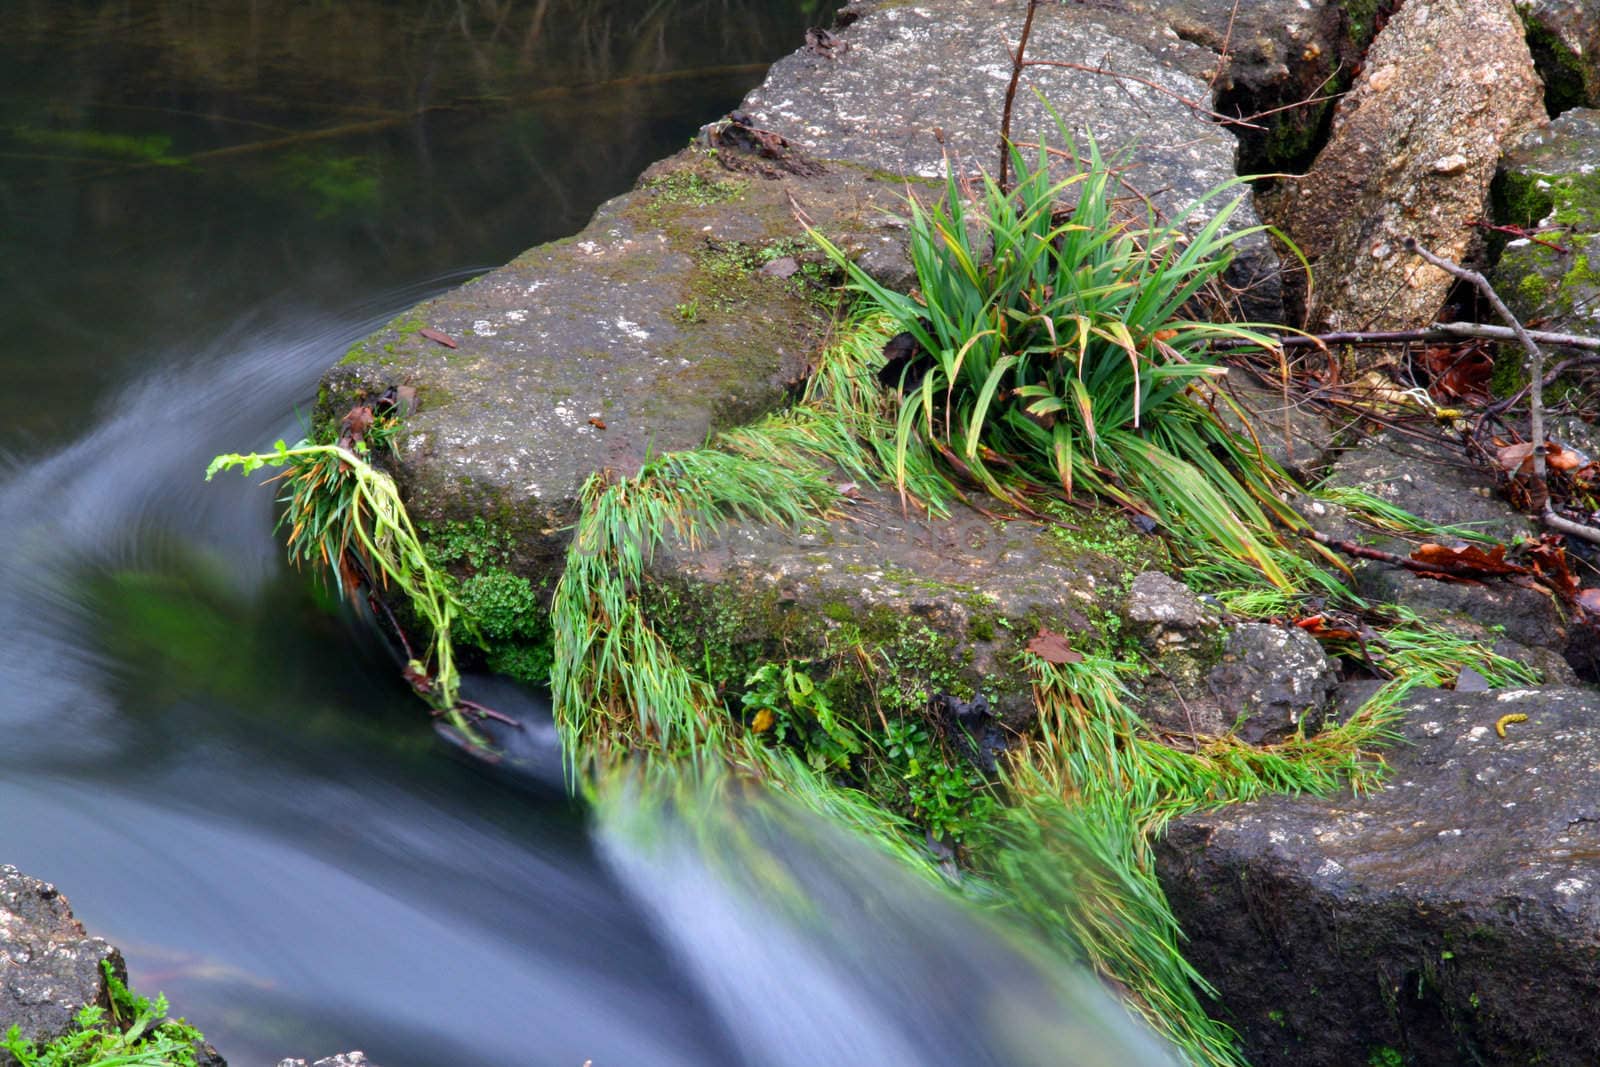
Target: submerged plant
{"x": 1068, "y": 355}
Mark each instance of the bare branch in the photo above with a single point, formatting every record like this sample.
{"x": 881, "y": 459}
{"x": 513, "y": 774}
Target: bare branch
{"x": 1011, "y": 95}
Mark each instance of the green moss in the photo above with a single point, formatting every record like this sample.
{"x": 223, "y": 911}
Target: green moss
{"x": 1569, "y": 81}
{"x": 692, "y": 188}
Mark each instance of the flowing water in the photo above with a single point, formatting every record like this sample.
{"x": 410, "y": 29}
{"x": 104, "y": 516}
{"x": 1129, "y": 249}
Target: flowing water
{"x": 201, "y": 205}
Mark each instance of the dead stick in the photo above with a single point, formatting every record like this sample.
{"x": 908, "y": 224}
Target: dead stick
{"x": 1011, "y": 95}
{"x": 1350, "y": 548}
{"x": 1439, "y": 331}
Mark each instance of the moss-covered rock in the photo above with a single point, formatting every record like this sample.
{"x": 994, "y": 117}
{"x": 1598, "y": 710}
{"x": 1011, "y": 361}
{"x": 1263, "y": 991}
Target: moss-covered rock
{"x": 1550, "y": 182}
{"x": 889, "y": 610}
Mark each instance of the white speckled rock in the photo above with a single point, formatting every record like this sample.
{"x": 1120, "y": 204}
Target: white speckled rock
{"x": 49, "y": 967}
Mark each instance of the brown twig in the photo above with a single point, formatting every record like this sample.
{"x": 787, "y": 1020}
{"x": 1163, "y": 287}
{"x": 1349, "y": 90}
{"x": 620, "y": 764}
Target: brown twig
{"x": 1011, "y": 96}
{"x": 1355, "y": 551}
{"x": 1439, "y": 331}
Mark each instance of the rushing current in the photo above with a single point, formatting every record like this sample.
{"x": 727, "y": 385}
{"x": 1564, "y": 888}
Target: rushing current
{"x": 202, "y": 204}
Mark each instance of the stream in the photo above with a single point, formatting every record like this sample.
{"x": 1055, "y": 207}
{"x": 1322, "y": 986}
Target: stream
{"x": 202, "y": 204}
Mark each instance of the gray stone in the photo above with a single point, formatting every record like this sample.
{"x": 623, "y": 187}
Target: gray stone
{"x": 1166, "y": 615}
{"x": 1292, "y": 430}
{"x": 642, "y": 334}
{"x": 1272, "y": 682}
{"x": 1449, "y": 491}
{"x": 1451, "y": 915}
{"x": 1445, "y": 86}
{"x": 1551, "y": 181}
{"x": 1292, "y": 55}
{"x": 49, "y": 967}
{"x": 922, "y": 84}
{"x": 343, "y": 1059}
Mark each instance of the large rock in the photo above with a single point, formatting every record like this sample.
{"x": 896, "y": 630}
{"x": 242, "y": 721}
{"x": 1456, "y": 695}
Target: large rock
{"x": 1447, "y": 490}
{"x": 1452, "y": 917}
{"x": 1550, "y": 181}
{"x": 1284, "y": 60}
{"x": 920, "y": 85}
{"x": 653, "y": 327}
{"x": 1413, "y": 151}
{"x": 49, "y": 967}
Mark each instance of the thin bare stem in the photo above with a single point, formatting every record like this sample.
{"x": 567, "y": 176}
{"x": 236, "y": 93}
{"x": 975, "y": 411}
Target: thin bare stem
{"x": 1011, "y": 95}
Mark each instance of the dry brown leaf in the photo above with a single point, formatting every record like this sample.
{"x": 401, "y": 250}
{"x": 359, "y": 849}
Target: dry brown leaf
{"x": 436, "y": 337}
{"x": 1053, "y": 648}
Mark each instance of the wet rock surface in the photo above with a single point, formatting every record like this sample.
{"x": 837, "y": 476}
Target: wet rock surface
{"x": 945, "y": 605}
{"x": 1273, "y": 679}
{"x": 1414, "y": 146}
{"x": 1451, "y": 916}
{"x": 1443, "y": 489}
{"x": 645, "y": 332}
{"x": 49, "y": 966}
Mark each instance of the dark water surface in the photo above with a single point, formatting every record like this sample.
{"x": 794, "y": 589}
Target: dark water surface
{"x": 201, "y": 205}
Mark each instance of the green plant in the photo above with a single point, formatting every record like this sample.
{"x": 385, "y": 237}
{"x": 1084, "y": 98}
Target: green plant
{"x": 345, "y": 515}
{"x": 952, "y": 801}
{"x": 788, "y": 701}
{"x": 134, "y": 1033}
{"x": 688, "y": 311}
{"x": 1069, "y": 357}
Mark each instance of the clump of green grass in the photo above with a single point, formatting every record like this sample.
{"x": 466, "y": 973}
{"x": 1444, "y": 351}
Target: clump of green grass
{"x": 1069, "y": 356}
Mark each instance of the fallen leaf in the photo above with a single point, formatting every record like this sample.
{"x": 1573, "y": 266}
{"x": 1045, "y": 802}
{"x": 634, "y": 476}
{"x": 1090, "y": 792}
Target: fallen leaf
{"x": 436, "y": 337}
{"x": 1589, "y": 600}
{"x": 1053, "y": 648}
{"x": 598, "y": 424}
{"x": 1515, "y": 457}
{"x": 1468, "y": 561}
{"x": 763, "y": 721}
{"x": 1460, "y": 372}
{"x": 1324, "y": 628}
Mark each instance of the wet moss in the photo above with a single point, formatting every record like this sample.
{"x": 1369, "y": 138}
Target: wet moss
{"x": 1569, "y": 81}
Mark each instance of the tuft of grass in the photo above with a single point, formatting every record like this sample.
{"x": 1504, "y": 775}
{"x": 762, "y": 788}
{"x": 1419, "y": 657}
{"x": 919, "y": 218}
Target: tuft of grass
{"x": 344, "y": 517}
{"x": 1068, "y": 356}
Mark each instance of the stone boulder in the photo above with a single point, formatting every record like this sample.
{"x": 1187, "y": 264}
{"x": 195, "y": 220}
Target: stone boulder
{"x": 1287, "y": 57}
{"x": 343, "y": 1059}
{"x": 1564, "y": 36}
{"x": 1446, "y": 489}
{"x": 644, "y": 333}
{"x": 1444, "y": 87}
{"x": 1449, "y": 917}
{"x": 49, "y": 967}
{"x": 1272, "y": 682}
{"x": 1549, "y": 181}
